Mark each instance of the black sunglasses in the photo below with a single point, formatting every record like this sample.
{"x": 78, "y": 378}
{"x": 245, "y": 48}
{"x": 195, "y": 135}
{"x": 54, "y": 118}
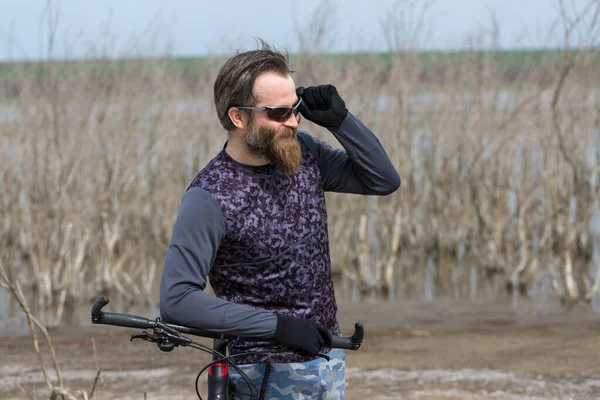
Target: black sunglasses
{"x": 277, "y": 113}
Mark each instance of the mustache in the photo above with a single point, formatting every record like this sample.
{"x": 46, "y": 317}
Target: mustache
{"x": 288, "y": 133}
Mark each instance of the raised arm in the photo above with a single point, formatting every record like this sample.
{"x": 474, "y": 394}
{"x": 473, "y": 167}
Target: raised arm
{"x": 363, "y": 167}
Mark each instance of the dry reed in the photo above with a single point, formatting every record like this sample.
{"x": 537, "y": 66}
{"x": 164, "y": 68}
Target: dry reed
{"x": 499, "y": 168}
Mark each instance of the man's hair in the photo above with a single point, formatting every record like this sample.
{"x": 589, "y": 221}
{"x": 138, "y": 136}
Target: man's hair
{"x": 234, "y": 83}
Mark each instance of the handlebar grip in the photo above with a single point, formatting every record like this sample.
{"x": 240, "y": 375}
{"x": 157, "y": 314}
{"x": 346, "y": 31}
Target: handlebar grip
{"x": 97, "y": 307}
{"x": 349, "y": 343}
{"x": 359, "y": 333}
{"x": 125, "y": 320}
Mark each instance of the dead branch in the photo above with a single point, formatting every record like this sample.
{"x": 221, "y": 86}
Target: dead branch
{"x": 56, "y": 391}
{"x": 363, "y": 252}
{"x": 98, "y": 373}
{"x": 525, "y": 243}
{"x": 388, "y": 281}
{"x": 17, "y": 294}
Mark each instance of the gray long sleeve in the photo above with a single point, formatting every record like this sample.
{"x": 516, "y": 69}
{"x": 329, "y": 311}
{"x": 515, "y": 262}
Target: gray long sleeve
{"x": 197, "y": 233}
{"x": 363, "y": 168}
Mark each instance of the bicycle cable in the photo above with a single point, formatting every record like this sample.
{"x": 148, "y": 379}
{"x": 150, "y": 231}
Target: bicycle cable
{"x": 253, "y": 390}
{"x": 227, "y": 360}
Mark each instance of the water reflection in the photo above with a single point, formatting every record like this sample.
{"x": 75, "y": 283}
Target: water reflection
{"x": 429, "y": 281}
{"x": 469, "y": 285}
{"x": 13, "y": 321}
{"x": 595, "y": 244}
{"x": 11, "y": 316}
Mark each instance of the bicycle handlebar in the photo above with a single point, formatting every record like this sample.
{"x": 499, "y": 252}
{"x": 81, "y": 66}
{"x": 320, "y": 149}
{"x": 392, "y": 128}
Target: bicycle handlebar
{"x": 125, "y": 320}
{"x": 133, "y": 321}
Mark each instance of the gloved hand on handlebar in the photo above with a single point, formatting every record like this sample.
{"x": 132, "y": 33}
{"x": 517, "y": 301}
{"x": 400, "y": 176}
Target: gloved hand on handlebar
{"x": 301, "y": 334}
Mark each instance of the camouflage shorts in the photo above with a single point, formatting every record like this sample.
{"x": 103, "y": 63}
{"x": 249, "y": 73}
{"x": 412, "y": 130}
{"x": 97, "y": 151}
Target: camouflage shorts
{"x": 316, "y": 379}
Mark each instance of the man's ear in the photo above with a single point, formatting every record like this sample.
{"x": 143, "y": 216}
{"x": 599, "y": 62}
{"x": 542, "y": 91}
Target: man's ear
{"x": 237, "y": 117}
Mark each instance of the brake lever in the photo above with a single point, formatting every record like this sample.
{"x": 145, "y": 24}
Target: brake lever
{"x": 145, "y": 336}
{"x": 163, "y": 343}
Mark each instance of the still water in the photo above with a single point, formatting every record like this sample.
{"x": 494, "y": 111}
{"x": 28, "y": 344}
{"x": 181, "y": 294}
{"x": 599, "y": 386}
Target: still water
{"x": 474, "y": 289}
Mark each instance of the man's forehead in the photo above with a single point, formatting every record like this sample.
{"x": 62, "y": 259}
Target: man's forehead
{"x": 275, "y": 89}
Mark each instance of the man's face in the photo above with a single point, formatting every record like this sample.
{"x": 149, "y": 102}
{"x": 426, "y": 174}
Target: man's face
{"x": 275, "y": 141}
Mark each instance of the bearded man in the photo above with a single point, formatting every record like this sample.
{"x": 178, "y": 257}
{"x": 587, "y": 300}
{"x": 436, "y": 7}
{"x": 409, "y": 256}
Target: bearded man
{"x": 254, "y": 223}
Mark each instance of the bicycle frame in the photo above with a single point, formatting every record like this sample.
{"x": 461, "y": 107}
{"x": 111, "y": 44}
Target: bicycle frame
{"x": 218, "y": 373}
{"x": 168, "y": 336}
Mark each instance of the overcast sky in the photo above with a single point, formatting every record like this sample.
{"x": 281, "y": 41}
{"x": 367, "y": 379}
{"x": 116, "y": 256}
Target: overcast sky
{"x": 200, "y": 27}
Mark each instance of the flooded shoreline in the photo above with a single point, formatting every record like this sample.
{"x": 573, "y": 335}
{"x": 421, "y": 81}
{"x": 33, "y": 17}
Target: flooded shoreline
{"x": 477, "y": 291}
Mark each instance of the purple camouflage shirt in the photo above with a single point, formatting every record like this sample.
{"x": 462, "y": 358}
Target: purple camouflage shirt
{"x": 261, "y": 238}
{"x": 275, "y": 253}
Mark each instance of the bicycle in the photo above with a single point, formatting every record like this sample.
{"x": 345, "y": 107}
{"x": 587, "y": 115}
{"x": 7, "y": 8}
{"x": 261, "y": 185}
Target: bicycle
{"x": 168, "y": 336}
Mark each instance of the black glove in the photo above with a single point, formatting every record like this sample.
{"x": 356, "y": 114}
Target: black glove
{"x": 322, "y": 105}
{"x": 301, "y": 334}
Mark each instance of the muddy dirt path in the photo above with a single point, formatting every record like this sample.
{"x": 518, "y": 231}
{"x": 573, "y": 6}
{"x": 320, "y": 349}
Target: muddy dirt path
{"x": 411, "y": 351}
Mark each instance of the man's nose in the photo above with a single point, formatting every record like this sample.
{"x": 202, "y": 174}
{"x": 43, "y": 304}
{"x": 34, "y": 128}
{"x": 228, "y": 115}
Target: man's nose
{"x": 292, "y": 121}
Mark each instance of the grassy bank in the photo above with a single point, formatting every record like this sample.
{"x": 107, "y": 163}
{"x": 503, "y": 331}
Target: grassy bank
{"x": 11, "y": 71}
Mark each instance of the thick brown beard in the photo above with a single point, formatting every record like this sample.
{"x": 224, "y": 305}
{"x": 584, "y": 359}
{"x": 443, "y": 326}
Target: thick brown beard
{"x": 265, "y": 142}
